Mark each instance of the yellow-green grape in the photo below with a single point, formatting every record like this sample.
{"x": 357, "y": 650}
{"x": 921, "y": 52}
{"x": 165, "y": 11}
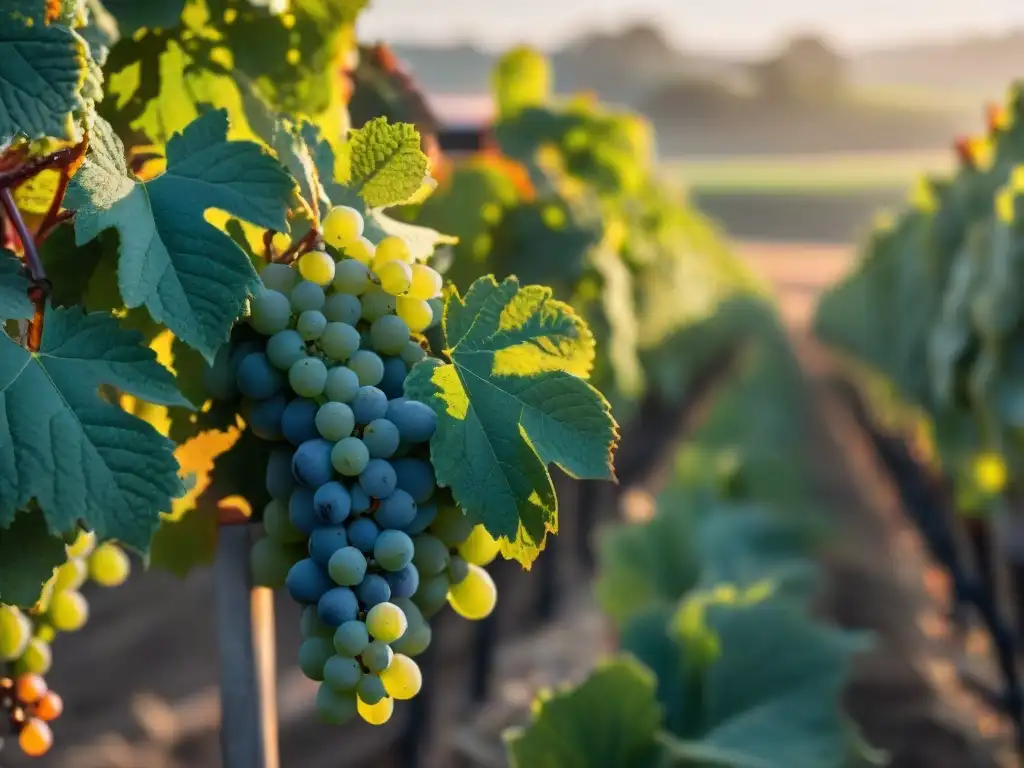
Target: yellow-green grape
{"x": 475, "y": 596}
{"x": 15, "y": 632}
{"x": 395, "y": 277}
{"x": 68, "y": 611}
{"x": 36, "y": 659}
{"x": 360, "y": 249}
{"x": 480, "y": 548}
{"x": 45, "y": 632}
{"x": 376, "y": 714}
{"x": 392, "y": 248}
{"x": 71, "y": 575}
{"x": 403, "y": 679}
{"x": 416, "y": 312}
{"x": 109, "y": 566}
{"x": 341, "y": 226}
{"x": 386, "y": 622}
{"x": 83, "y": 545}
{"x": 317, "y": 267}
{"x": 426, "y": 282}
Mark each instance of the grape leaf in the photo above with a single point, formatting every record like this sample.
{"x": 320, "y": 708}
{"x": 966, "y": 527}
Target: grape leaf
{"x": 14, "y": 301}
{"x": 387, "y": 164}
{"x": 512, "y": 401}
{"x": 28, "y": 555}
{"x": 191, "y": 277}
{"x": 81, "y": 458}
{"x": 42, "y": 72}
{"x": 611, "y": 720}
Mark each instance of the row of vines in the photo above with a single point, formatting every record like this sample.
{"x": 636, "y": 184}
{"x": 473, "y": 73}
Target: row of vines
{"x": 233, "y": 298}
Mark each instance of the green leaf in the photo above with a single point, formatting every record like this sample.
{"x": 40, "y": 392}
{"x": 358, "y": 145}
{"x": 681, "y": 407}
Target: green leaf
{"x": 387, "y": 164}
{"x": 191, "y": 276}
{"x": 512, "y": 401}
{"x": 14, "y": 285}
{"x": 611, "y": 720}
{"x": 80, "y": 457}
{"x": 28, "y": 555}
{"x": 42, "y": 72}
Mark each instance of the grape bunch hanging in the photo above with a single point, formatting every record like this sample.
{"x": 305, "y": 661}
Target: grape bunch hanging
{"x": 25, "y": 637}
{"x": 357, "y": 530}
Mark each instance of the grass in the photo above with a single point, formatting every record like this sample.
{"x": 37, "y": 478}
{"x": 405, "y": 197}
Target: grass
{"x": 838, "y": 173}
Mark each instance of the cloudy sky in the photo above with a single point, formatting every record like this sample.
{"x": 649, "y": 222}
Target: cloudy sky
{"x": 728, "y": 25}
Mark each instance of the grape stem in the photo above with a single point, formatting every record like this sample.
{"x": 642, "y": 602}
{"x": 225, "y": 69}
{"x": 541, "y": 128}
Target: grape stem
{"x": 268, "y": 245}
{"x": 306, "y": 244}
{"x": 40, "y": 285}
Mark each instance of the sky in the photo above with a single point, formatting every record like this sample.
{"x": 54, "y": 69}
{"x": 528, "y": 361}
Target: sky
{"x": 726, "y": 25}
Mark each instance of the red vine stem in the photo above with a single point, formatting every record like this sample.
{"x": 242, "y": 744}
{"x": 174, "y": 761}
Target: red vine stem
{"x": 62, "y": 158}
{"x": 69, "y": 163}
{"x": 307, "y": 243}
{"x": 268, "y": 245}
{"x": 40, "y": 287}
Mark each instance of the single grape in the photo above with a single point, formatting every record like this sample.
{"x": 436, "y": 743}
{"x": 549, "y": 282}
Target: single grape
{"x": 313, "y": 655}
{"x": 373, "y": 590}
{"x": 352, "y": 277}
{"x": 415, "y": 640}
{"x": 432, "y": 594}
{"x": 71, "y": 575}
{"x": 308, "y": 581}
{"x": 312, "y": 464}
{"x": 335, "y": 421}
{"x": 370, "y": 403}
{"x": 343, "y": 308}
{"x": 377, "y": 656}
{"x": 298, "y": 421}
{"x": 361, "y": 501}
{"x": 458, "y": 569}
{"x": 109, "y": 565}
{"x": 347, "y": 566}
{"x": 395, "y": 277}
{"x": 376, "y": 303}
{"x": 334, "y": 707}
{"x": 311, "y": 324}
{"x": 375, "y": 714}
{"x": 35, "y": 659}
{"x": 278, "y": 524}
{"x": 431, "y": 556}
{"x": 475, "y": 596}
{"x": 15, "y": 632}
{"x": 307, "y": 296}
{"x": 362, "y": 534}
{"x": 311, "y": 626}
{"x": 68, "y": 611}
{"x": 425, "y": 515}
{"x": 381, "y": 438}
{"x": 393, "y": 382}
{"x": 285, "y": 348}
{"x": 339, "y": 341}
{"x": 308, "y": 377}
{"x": 416, "y": 476}
{"x": 402, "y": 679}
{"x": 371, "y": 689}
{"x": 341, "y": 226}
{"x": 238, "y": 352}
{"x": 325, "y": 541}
{"x": 270, "y": 561}
{"x": 416, "y": 313}
{"x": 332, "y": 502}
{"x": 350, "y": 456}
{"x": 257, "y": 378}
{"x": 361, "y": 250}
{"x": 378, "y": 478}
{"x": 279, "y": 277}
{"x": 393, "y": 550}
{"x": 342, "y": 385}
{"x": 368, "y": 367}
{"x": 84, "y": 543}
{"x": 412, "y": 353}
{"x": 269, "y": 312}
{"x": 416, "y": 421}
{"x": 317, "y": 267}
{"x": 479, "y": 548}
{"x": 336, "y": 606}
{"x": 389, "y": 334}
{"x": 279, "y": 478}
{"x": 404, "y": 582}
{"x": 264, "y": 417}
{"x": 426, "y": 282}
{"x": 392, "y": 248}
{"x": 396, "y": 511}
{"x": 351, "y": 638}
{"x": 343, "y": 672}
{"x": 35, "y": 737}
{"x": 386, "y": 622}
{"x": 452, "y": 526}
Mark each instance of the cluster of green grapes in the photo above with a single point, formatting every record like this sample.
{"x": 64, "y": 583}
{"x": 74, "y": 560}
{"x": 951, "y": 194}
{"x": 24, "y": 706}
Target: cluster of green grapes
{"x": 25, "y": 636}
{"x": 357, "y": 530}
